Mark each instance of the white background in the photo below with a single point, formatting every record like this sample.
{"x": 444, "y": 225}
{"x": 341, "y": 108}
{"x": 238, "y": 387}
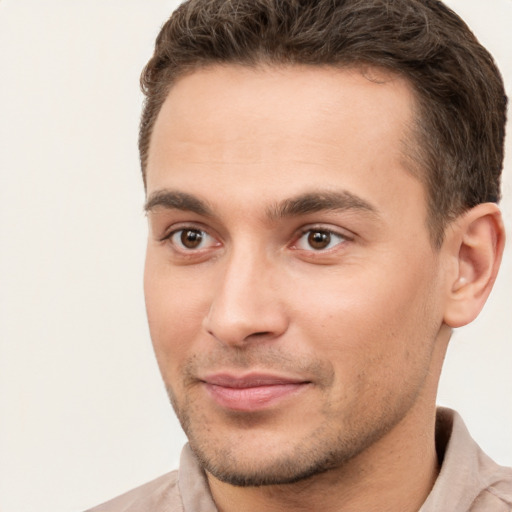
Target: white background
{"x": 83, "y": 414}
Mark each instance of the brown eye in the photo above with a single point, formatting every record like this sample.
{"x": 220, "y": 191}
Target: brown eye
{"x": 191, "y": 238}
{"x": 319, "y": 239}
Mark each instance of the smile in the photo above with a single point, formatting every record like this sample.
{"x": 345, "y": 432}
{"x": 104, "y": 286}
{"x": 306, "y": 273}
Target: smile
{"x": 251, "y": 392}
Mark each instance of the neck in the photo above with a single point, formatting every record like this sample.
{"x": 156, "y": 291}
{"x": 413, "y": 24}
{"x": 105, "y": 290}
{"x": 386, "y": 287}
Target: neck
{"x": 396, "y": 473}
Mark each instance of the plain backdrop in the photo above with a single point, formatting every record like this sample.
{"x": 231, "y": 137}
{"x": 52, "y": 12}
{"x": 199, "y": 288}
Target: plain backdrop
{"x": 83, "y": 413}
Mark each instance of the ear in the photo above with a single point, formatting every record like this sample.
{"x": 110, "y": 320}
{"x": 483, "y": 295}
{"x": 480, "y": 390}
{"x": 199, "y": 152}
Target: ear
{"x": 476, "y": 241}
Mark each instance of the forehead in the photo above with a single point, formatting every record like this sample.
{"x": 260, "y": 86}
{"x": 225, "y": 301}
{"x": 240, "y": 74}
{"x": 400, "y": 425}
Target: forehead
{"x": 289, "y": 127}
{"x": 227, "y": 102}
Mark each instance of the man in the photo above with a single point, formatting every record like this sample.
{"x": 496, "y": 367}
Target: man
{"x": 322, "y": 179}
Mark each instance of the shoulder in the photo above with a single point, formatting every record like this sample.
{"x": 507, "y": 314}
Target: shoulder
{"x": 184, "y": 489}
{"x": 497, "y": 494}
{"x": 161, "y": 494}
{"x": 469, "y": 480}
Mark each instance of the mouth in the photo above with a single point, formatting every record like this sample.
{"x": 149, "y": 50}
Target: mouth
{"x": 252, "y": 392}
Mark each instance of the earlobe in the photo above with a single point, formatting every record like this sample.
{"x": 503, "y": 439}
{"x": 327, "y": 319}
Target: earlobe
{"x": 477, "y": 242}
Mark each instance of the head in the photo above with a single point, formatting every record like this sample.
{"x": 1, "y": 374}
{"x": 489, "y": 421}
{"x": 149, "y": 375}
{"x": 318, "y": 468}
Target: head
{"x": 321, "y": 179}
{"x": 456, "y": 143}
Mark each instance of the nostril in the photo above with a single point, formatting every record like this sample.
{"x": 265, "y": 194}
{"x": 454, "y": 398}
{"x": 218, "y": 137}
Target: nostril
{"x": 262, "y": 333}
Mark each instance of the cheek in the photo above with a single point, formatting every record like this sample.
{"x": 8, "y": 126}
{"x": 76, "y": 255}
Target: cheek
{"x": 378, "y": 325}
{"x": 174, "y": 313}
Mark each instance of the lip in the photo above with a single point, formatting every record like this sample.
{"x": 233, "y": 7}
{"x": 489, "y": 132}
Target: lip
{"x": 251, "y": 392}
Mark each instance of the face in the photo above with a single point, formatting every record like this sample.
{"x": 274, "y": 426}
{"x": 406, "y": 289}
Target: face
{"x": 292, "y": 291}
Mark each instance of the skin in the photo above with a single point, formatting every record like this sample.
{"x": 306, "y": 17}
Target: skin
{"x": 348, "y": 298}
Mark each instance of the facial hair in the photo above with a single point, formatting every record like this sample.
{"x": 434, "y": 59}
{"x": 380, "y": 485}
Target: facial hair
{"x": 326, "y": 447}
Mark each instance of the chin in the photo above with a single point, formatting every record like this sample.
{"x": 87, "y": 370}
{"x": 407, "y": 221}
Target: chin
{"x": 283, "y": 469}
{"x": 243, "y": 460}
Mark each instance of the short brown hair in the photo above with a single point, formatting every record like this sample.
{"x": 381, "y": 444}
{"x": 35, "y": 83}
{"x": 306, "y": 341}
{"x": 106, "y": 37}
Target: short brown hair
{"x": 461, "y": 102}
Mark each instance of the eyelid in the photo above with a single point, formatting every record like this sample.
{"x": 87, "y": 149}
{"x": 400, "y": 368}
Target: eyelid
{"x": 172, "y": 230}
{"x": 180, "y": 226}
{"x": 337, "y": 232}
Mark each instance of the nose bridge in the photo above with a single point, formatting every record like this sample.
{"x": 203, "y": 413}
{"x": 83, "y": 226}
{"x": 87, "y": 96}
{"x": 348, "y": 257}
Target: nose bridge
{"x": 245, "y": 300}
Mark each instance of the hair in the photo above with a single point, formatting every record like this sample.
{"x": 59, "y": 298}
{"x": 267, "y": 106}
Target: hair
{"x": 460, "y": 111}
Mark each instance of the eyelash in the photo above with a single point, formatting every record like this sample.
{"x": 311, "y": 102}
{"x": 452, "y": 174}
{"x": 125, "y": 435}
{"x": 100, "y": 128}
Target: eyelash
{"x": 330, "y": 233}
{"x": 187, "y": 229}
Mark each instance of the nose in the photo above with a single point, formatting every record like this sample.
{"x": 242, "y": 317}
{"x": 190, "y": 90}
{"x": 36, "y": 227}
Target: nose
{"x": 247, "y": 302}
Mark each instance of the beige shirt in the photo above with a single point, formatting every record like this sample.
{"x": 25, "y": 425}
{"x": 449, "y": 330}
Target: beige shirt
{"x": 469, "y": 480}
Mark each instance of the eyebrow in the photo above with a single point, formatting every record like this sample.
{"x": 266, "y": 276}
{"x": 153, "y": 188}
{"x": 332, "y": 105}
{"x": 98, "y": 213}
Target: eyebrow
{"x": 303, "y": 204}
{"x": 313, "y": 202}
{"x": 175, "y": 200}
